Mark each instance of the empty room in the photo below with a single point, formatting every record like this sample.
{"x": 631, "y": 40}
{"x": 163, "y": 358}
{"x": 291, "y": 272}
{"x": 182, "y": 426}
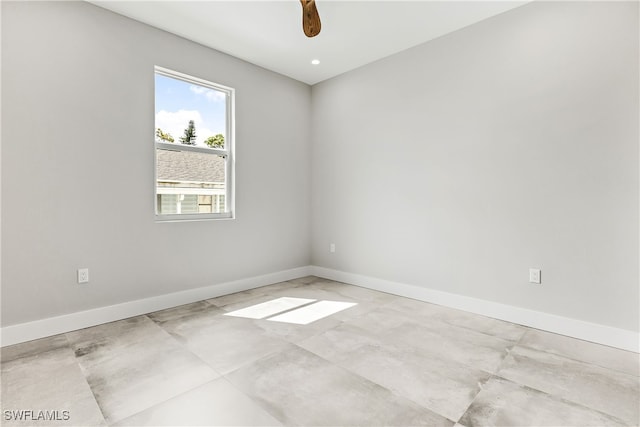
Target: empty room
{"x": 320, "y": 213}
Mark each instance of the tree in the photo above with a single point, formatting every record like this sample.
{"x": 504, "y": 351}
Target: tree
{"x": 189, "y": 137}
{"x": 215, "y": 141}
{"x": 162, "y": 136}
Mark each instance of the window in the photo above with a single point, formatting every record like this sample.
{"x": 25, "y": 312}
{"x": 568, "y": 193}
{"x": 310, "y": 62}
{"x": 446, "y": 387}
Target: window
{"x": 193, "y": 147}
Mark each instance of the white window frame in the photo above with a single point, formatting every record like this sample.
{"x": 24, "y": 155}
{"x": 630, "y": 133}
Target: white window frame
{"x": 227, "y": 152}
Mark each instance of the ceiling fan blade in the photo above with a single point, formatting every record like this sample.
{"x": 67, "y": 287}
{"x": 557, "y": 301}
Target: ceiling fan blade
{"x": 310, "y": 18}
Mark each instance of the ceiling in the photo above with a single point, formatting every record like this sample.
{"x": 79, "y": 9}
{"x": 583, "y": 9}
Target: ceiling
{"x": 269, "y": 33}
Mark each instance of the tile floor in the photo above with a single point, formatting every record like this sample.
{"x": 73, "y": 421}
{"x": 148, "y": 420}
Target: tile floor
{"x": 386, "y": 361}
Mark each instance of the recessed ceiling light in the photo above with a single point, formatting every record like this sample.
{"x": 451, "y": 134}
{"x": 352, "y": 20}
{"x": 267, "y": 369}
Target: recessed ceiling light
{"x": 315, "y": 61}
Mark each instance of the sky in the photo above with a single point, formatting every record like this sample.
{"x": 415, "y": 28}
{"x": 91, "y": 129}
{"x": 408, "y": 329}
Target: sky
{"x": 177, "y": 102}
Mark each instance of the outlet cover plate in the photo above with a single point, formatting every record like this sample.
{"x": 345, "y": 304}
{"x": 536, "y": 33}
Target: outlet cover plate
{"x": 535, "y": 275}
{"x": 83, "y": 275}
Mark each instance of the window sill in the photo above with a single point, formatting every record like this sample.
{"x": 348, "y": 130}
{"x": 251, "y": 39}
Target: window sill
{"x": 193, "y": 217}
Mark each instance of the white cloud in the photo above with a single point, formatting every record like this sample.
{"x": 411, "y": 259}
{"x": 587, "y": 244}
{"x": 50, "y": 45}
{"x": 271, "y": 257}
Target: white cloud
{"x": 175, "y": 122}
{"x": 212, "y": 95}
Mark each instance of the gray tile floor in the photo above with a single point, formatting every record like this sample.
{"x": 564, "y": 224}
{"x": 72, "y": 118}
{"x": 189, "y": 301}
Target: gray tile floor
{"x": 386, "y": 361}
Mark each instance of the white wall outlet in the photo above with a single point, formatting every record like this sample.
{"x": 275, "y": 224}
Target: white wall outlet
{"x": 83, "y": 275}
{"x": 332, "y": 247}
{"x": 535, "y": 275}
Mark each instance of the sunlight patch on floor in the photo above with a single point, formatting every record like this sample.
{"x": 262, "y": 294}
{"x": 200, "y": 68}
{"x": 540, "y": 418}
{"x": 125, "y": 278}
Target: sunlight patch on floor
{"x": 312, "y": 312}
{"x": 300, "y": 311}
{"x": 269, "y": 308}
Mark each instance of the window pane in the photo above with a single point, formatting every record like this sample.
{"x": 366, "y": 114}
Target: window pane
{"x": 191, "y": 114}
{"x": 190, "y": 182}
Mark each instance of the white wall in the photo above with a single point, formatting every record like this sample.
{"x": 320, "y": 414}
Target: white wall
{"x": 513, "y": 143}
{"x": 77, "y": 135}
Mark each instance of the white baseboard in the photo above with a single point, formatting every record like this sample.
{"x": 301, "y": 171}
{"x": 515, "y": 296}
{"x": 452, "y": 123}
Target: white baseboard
{"x": 70, "y": 322}
{"x": 601, "y": 334}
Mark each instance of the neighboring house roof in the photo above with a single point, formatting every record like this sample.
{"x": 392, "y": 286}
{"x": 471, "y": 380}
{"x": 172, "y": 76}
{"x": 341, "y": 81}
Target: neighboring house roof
{"x": 189, "y": 166}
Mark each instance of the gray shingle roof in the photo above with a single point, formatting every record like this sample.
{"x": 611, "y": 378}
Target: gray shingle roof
{"x": 189, "y": 166}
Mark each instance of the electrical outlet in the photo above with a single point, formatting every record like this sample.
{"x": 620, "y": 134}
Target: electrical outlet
{"x": 535, "y": 275}
{"x": 83, "y": 275}
{"x": 332, "y": 247}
